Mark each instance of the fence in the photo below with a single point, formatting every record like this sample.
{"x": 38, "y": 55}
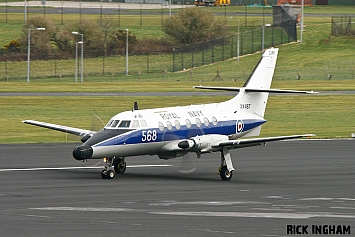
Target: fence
{"x": 342, "y": 25}
{"x": 177, "y": 59}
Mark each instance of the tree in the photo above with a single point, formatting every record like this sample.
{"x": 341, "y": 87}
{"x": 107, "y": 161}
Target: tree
{"x": 40, "y": 40}
{"x": 193, "y": 25}
{"x": 119, "y": 39}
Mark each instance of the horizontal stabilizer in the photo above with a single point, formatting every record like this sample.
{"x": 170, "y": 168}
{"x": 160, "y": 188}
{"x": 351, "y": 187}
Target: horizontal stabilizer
{"x": 66, "y": 129}
{"x": 233, "y": 144}
{"x": 254, "y": 90}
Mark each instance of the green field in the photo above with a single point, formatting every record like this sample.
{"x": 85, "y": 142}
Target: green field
{"x": 328, "y": 116}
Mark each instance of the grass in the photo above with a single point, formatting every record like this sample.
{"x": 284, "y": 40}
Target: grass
{"x": 319, "y": 56}
{"x": 328, "y": 116}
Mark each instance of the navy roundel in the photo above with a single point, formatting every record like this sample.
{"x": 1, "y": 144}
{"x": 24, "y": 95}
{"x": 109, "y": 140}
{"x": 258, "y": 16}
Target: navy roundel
{"x": 240, "y": 126}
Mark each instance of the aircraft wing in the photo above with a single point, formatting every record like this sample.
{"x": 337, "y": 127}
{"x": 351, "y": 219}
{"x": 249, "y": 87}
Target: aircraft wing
{"x": 71, "y": 130}
{"x": 234, "y": 144}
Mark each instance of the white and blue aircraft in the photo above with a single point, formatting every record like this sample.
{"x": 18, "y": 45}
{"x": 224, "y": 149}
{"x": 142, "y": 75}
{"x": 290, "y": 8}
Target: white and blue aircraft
{"x": 175, "y": 131}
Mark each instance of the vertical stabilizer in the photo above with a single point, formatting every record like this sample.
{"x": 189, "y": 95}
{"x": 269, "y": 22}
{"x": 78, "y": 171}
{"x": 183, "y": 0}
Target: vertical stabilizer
{"x": 260, "y": 78}
{"x": 262, "y": 74}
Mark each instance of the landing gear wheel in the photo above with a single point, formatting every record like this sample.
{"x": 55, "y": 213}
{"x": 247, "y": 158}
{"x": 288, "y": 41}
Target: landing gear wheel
{"x": 225, "y": 174}
{"x": 104, "y": 174}
{"x": 110, "y": 174}
{"x": 119, "y": 165}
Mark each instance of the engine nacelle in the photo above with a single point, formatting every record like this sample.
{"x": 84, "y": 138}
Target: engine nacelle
{"x": 204, "y": 143}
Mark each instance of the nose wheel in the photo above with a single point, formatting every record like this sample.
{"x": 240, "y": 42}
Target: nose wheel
{"x": 107, "y": 173}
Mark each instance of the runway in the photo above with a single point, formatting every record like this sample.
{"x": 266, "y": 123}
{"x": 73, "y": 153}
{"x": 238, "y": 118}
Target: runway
{"x": 45, "y": 192}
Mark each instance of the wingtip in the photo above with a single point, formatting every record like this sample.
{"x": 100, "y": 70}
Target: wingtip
{"x": 310, "y": 135}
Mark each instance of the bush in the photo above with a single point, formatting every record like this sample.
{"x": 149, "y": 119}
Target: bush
{"x": 40, "y": 40}
{"x": 193, "y": 25}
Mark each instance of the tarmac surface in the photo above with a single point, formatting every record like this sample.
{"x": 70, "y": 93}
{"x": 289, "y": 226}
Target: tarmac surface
{"x": 45, "y": 192}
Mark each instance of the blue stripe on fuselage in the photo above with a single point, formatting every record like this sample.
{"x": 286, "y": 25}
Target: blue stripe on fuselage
{"x": 155, "y": 135}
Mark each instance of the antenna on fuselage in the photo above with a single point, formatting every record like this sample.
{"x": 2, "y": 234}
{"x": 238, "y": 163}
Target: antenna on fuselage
{"x": 135, "y": 105}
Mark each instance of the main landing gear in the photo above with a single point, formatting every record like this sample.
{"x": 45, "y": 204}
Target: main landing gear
{"x": 226, "y": 169}
{"x": 118, "y": 164}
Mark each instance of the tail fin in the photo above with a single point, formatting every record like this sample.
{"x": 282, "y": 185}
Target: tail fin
{"x": 252, "y": 97}
{"x": 263, "y": 72}
{"x": 251, "y": 100}
{"x": 259, "y": 81}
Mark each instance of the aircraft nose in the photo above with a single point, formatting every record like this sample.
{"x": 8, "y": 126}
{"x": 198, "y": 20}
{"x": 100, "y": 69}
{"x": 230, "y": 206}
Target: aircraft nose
{"x": 82, "y": 152}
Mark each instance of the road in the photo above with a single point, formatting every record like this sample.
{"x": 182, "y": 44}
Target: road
{"x": 45, "y": 192}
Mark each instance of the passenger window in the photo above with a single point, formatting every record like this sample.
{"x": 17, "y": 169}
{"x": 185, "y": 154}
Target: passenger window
{"x": 188, "y": 123}
{"x": 124, "y": 124}
{"x": 169, "y": 125}
{"x": 198, "y": 122}
{"x": 161, "y": 126}
{"x": 143, "y": 123}
{"x": 206, "y": 122}
{"x": 177, "y": 124}
{"x": 135, "y": 124}
{"x": 214, "y": 121}
{"x": 114, "y": 124}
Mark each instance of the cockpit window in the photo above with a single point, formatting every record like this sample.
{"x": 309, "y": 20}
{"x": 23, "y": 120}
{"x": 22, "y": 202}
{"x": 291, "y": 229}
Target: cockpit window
{"x": 124, "y": 124}
{"x": 114, "y": 123}
{"x": 109, "y": 123}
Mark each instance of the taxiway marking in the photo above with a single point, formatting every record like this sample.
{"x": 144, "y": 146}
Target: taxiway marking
{"x": 77, "y": 167}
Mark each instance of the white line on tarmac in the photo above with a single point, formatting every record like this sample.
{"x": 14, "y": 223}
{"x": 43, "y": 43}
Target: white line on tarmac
{"x": 258, "y": 214}
{"x": 78, "y": 167}
{"x": 290, "y": 215}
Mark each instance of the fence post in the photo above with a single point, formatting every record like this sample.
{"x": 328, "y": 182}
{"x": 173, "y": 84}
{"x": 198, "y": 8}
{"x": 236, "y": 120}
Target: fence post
{"x": 252, "y": 41}
{"x": 182, "y": 60}
{"x": 203, "y": 57}
{"x": 232, "y": 45}
{"x": 192, "y": 60}
{"x": 212, "y": 53}
{"x": 173, "y": 59}
{"x": 55, "y": 68}
{"x": 272, "y": 35}
{"x": 281, "y": 36}
{"x": 241, "y": 45}
{"x": 223, "y": 48}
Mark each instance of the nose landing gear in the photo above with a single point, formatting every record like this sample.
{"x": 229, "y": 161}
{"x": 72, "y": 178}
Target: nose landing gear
{"x": 118, "y": 164}
{"x": 107, "y": 173}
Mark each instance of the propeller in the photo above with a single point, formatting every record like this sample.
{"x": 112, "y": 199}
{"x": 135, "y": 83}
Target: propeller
{"x": 96, "y": 122}
{"x": 186, "y": 164}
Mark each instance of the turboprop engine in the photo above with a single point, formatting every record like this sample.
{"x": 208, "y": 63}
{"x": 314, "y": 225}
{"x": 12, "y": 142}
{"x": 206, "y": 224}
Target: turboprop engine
{"x": 203, "y": 144}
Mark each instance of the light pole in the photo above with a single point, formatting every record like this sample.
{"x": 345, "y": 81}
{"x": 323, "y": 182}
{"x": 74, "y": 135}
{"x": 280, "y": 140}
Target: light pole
{"x": 82, "y": 54}
{"x": 126, "y": 52}
{"x": 25, "y": 11}
{"x": 29, "y": 51}
{"x": 302, "y": 15}
{"x": 76, "y": 60}
{"x": 238, "y": 40}
{"x": 263, "y": 37}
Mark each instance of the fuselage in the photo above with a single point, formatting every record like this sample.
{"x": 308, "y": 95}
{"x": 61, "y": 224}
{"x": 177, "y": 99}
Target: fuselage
{"x": 152, "y": 131}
